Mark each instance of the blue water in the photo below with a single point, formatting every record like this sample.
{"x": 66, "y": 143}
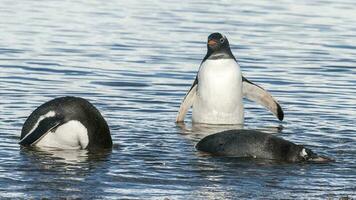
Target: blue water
{"x": 135, "y": 60}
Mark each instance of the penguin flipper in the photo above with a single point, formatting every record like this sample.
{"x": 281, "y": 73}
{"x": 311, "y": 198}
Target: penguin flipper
{"x": 259, "y": 95}
{"x": 187, "y": 101}
{"x": 44, "y": 126}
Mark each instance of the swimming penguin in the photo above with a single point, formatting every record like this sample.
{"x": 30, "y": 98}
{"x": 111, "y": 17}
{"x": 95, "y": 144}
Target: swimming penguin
{"x": 66, "y": 123}
{"x": 256, "y": 144}
{"x": 217, "y": 91}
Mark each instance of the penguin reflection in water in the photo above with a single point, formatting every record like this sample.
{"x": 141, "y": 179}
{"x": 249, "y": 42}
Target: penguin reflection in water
{"x": 217, "y": 92}
{"x": 66, "y": 123}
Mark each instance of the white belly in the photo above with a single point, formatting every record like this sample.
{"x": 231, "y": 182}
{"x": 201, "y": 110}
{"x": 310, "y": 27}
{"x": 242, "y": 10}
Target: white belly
{"x": 71, "y": 135}
{"x": 219, "y": 94}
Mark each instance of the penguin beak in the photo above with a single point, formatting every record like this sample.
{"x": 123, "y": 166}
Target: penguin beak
{"x": 320, "y": 159}
{"x": 212, "y": 42}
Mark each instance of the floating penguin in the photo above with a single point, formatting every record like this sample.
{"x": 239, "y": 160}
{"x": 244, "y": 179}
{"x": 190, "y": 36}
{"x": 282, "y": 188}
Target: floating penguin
{"x": 256, "y": 144}
{"x": 216, "y": 94}
{"x": 66, "y": 123}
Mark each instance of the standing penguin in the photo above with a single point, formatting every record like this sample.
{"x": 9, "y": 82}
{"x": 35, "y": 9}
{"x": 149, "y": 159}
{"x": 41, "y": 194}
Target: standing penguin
{"x": 217, "y": 92}
{"x": 66, "y": 123}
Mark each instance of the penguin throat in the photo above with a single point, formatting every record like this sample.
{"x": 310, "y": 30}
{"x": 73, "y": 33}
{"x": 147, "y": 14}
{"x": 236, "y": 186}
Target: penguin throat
{"x": 219, "y": 54}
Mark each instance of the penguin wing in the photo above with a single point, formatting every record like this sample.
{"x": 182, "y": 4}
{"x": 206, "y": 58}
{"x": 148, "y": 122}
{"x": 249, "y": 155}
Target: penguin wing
{"x": 43, "y": 127}
{"x": 261, "y": 96}
{"x": 187, "y": 101}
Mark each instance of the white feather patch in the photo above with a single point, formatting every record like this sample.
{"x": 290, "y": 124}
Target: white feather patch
{"x": 71, "y": 135}
{"x": 219, "y": 93}
{"x": 303, "y": 153}
{"x": 260, "y": 96}
{"x": 42, "y": 117}
{"x": 186, "y": 104}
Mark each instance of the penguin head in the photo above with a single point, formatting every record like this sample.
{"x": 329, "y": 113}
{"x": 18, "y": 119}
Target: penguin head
{"x": 218, "y": 47}
{"x": 303, "y": 154}
{"x": 217, "y": 41}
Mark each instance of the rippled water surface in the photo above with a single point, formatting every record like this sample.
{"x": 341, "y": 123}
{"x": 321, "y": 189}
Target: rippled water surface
{"x": 135, "y": 60}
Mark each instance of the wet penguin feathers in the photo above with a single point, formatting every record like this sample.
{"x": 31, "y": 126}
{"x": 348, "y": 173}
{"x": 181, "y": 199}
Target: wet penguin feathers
{"x": 217, "y": 91}
{"x": 72, "y": 114}
{"x": 256, "y": 144}
{"x": 259, "y": 95}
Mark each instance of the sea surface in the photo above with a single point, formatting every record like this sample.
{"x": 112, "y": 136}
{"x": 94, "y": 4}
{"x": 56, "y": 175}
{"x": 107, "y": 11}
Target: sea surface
{"x": 135, "y": 60}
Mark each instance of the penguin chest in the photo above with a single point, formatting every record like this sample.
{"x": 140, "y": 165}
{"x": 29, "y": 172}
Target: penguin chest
{"x": 70, "y": 135}
{"x": 219, "y": 94}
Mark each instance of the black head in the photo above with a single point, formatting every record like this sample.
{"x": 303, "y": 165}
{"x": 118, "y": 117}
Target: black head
{"x": 218, "y": 47}
{"x": 301, "y": 154}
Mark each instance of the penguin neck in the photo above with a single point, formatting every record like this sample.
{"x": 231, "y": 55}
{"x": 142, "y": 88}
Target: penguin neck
{"x": 223, "y": 53}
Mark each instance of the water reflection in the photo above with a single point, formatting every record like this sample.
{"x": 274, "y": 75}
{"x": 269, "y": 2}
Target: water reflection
{"x": 65, "y": 170}
{"x": 205, "y": 129}
{"x": 197, "y": 131}
{"x": 47, "y": 158}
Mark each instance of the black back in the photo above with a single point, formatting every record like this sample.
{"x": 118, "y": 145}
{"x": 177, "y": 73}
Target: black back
{"x": 250, "y": 143}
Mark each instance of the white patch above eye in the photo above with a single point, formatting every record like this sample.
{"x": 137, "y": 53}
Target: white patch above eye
{"x": 42, "y": 117}
{"x": 303, "y": 153}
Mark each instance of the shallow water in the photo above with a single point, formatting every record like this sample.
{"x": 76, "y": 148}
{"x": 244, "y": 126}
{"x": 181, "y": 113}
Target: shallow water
{"x": 134, "y": 61}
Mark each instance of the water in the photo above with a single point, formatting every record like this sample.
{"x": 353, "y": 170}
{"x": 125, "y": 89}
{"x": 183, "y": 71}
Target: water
{"x": 135, "y": 60}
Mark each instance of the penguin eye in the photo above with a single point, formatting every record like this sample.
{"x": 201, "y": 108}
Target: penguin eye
{"x": 222, "y": 40}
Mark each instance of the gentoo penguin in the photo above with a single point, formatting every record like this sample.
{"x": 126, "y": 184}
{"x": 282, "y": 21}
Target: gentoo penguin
{"x": 256, "y": 144}
{"x": 217, "y": 92}
{"x": 66, "y": 123}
